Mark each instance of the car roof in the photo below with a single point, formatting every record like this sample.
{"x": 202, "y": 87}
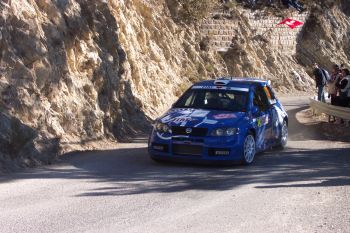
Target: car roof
{"x": 234, "y": 82}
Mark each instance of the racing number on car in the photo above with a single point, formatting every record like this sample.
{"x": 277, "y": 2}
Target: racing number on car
{"x": 263, "y": 120}
{"x": 259, "y": 122}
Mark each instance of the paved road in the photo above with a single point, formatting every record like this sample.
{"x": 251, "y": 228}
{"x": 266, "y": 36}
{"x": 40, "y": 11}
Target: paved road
{"x": 305, "y": 188}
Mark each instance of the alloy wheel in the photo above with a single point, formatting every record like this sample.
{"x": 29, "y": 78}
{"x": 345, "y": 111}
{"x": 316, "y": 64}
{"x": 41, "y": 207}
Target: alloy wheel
{"x": 249, "y": 149}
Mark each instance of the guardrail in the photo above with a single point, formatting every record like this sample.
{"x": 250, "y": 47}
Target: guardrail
{"x": 330, "y": 110}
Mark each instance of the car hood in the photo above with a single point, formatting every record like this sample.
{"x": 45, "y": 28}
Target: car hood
{"x": 201, "y": 118}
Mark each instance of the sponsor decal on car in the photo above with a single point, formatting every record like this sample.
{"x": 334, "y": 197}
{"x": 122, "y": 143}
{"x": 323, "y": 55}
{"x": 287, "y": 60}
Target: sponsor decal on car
{"x": 176, "y": 119}
{"x": 207, "y": 121}
{"x": 258, "y": 122}
{"x": 181, "y": 119}
{"x": 199, "y": 113}
{"x": 204, "y": 87}
{"x": 225, "y": 116}
{"x": 221, "y": 88}
{"x": 263, "y": 120}
{"x": 163, "y": 137}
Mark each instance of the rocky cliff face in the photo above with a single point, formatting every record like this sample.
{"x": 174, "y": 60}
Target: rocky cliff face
{"x": 163, "y": 58}
{"x": 80, "y": 70}
{"x": 253, "y": 55}
{"x": 328, "y": 41}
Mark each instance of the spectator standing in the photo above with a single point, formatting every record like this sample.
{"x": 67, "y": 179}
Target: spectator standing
{"x": 293, "y": 3}
{"x": 341, "y": 76}
{"x": 252, "y": 3}
{"x": 343, "y": 99}
{"x": 335, "y": 77}
{"x": 344, "y": 84}
{"x": 320, "y": 82}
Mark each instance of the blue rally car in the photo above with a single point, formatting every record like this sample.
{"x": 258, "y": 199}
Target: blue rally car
{"x": 223, "y": 120}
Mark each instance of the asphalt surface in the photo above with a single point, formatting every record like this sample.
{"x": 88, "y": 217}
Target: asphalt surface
{"x": 305, "y": 188}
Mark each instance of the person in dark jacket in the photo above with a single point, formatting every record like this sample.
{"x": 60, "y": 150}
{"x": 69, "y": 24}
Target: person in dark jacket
{"x": 344, "y": 85}
{"x": 320, "y": 83}
{"x": 293, "y": 3}
{"x": 335, "y": 78}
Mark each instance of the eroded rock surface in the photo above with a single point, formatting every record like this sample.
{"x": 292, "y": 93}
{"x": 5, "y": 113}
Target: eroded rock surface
{"x": 79, "y": 70}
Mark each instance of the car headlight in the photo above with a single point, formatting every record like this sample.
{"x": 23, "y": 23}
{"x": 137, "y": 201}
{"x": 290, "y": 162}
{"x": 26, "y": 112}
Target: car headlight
{"x": 225, "y": 132}
{"x": 231, "y": 131}
{"x": 218, "y": 132}
{"x": 162, "y": 128}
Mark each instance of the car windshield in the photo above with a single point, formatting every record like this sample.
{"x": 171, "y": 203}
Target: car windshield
{"x": 214, "y": 99}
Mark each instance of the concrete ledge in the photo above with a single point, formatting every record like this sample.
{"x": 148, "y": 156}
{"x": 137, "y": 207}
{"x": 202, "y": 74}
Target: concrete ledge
{"x": 283, "y": 38}
{"x": 331, "y": 110}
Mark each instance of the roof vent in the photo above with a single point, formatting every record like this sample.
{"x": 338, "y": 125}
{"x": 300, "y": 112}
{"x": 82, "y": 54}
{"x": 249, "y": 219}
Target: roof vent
{"x": 221, "y": 82}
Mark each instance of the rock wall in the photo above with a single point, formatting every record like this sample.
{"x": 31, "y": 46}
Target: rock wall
{"x": 282, "y": 55}
{"x": 162, "y": 58}
{"x": 328, "y": 42}
{"x": 282, "y": 37}
{"x": 222, "y": 30}
{"x": 60, "y": 68}
{"x": 73, "y": 71}
{"x": 253, "y": 47}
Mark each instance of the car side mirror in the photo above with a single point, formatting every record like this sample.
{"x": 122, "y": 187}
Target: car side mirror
{"x": 273, "y": 102}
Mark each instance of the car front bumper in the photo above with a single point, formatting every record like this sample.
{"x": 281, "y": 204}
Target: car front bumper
{"x": 203, "y": 150}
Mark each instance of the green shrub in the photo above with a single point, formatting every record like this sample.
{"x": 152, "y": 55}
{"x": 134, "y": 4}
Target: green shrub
{"x": 230, "y": 5}
{"x": 195, "y": 10}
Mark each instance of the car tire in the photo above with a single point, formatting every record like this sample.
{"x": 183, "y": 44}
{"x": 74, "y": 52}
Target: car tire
{"x": 283, "y": 138}
{"x": 249, "y": 149}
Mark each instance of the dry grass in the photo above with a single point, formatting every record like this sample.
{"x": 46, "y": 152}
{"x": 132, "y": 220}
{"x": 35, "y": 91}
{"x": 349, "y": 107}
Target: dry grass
{"x": 195, "y": 10}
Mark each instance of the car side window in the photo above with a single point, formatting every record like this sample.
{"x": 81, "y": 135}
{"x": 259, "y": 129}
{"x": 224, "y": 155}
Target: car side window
{"x": 270, "y": 95}
{"x": 260, "y": 99}
{"x": 189, "y": 101}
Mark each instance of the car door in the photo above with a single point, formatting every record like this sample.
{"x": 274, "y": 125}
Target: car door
{"x": 275, "y": 114}
{"x": 262, "y": 118}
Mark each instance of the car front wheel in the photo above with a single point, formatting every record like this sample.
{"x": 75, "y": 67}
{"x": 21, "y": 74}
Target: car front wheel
{"x": 249, "y": 149}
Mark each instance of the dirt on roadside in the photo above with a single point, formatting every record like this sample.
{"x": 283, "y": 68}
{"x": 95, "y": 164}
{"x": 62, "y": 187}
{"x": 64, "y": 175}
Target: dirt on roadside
{"x": 334, "y": 131}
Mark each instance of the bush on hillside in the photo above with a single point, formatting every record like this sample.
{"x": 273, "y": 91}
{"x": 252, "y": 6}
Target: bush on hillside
{"x": 195, "y": 10}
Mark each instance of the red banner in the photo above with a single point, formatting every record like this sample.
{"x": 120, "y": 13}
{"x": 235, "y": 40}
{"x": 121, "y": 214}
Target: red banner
{"x": 292, "y": 23}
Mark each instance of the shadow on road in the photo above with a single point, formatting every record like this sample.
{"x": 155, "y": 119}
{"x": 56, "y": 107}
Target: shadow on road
{"x": 131, "y": 172}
